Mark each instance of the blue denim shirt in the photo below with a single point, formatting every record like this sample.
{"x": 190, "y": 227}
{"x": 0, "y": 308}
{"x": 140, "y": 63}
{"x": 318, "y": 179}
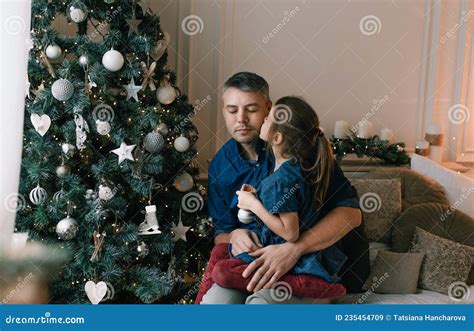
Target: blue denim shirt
{"x": 228, "y": 171}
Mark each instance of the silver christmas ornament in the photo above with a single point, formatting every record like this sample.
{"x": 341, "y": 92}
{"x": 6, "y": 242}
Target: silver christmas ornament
{"x": 77, "y": 11}
{"x": 181, "y": 144}
{"x": 38, "y": 195}
{"x": 153, "y": 142}
{"x": 143, "y": 249}
{"x": 62, "y": 89}
{"x": 62, "y": 170}
{"x": 68, "y": 149}
{"x": 166, "y": 94}
{"x": 83, "y": 60}
{"x": 67, "y": 228}
{"x": 53, "y": 52}
{"x": 103, "y": 127}
{"x": 162, "y": 129}
{"x": 58, "y": 196}
{"x": 105, "y": 193}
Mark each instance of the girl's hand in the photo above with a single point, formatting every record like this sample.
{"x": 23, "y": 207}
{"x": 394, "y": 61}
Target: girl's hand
{"x": 247, "y": 200}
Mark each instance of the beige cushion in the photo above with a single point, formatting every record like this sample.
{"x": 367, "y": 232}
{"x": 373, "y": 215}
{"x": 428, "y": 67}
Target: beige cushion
{"x": 394, "y": 273}
{"x": 446, "y": 262}
{"x": 437, "y": 219}
{"x": 380, "y": 202}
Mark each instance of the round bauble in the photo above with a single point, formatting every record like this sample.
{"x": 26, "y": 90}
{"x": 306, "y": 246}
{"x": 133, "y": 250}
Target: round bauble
{"x": 67, "y": 228}
{"x": 68, "y": 149}
{"x": 162, "y": 128}
{"x": 153, "y": 142}
{"x": 166, "y": 94}
{"x": 113, "y": 60}
{"x": 143, "y": 249}
{"x": 53, "y": 52}
{"x": 183, "y": 182}
{"x": 105, "y": 193}
{"x": 77, "y": 11}
{"x": 62, "y": 170}
{"x": 83, "y": 60}
{"x": 245, "y": 216}
{"x": 62, "y": 89}
{"x": 103, "y": 127}
{"x": 181, "y": 144}
{"x": 38, "y": 195}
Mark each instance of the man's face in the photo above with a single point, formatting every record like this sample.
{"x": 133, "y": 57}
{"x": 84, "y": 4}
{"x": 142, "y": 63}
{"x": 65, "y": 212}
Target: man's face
{"x": 244, "y": 113}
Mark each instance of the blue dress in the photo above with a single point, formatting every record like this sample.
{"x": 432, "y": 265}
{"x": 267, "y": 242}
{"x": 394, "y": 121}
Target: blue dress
{"x": 286, "y": 190}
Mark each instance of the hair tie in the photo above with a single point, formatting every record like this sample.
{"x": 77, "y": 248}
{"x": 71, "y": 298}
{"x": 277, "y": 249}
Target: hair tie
{"x": 319, "y": 133}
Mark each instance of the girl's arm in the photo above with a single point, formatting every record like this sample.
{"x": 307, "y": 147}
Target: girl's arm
{"x": 285, "y": 225}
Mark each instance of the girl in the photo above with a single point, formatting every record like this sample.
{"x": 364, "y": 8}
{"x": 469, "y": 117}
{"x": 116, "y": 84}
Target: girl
{"x": 288, "y": 201}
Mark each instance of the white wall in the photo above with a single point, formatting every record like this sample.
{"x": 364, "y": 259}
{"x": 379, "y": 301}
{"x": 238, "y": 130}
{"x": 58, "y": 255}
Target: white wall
{"x": 322, "y": 54}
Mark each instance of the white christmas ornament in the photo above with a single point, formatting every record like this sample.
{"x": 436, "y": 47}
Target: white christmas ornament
{"x": 166, "y": 94}
{"x": 132, "y": 90}
{"x": 124, "y": 152}
{"x": 38, "y": 195}
{"x": 83, "y": 60}
{"x": 150, "y": 224}
{"x": 58, "y": 195}
{"x": 68, "y": 149}
{"x": 153, "y": 142}
{"x": 95, "y": 292}
{"x": 105, "y": 193}
{"x": 183, "y": 182}
{"x": 180, "y": 231}
{"x": 245, "y": 216}
{"x": 41, "y": 123}
{"x": 103, "y": 127}
{"x": 67, "y": 228}
{"x": 62, "y": 170}
{"x": 53, "y": 52}
{"x": 181, "y": 144}
{"x": 113, "y": 60}
{"x": 62, "y": 89}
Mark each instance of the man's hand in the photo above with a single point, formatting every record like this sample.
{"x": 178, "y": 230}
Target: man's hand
{"x": 271, "y": 263}
{"x": 243, "y": 240}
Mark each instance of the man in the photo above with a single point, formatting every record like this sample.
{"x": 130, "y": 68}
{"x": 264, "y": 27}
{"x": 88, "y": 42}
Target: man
{"x": 244, "y": 160}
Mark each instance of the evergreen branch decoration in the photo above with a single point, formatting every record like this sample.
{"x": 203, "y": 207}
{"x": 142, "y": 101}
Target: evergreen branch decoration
{"x": 372, "y": 147}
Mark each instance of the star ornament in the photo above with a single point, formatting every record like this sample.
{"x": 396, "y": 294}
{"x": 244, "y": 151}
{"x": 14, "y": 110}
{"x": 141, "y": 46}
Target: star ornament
{"x": 124, "y": 152}
{"x": 180, "y": 231}
{"x": 132, "y": 90}
{"x": 133, "y": 24}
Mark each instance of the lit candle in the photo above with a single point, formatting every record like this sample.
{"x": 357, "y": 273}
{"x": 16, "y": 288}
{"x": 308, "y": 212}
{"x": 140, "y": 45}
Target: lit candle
{"x": 386, "y": 134}
{"x": 365, "y": 130}
{"x": 341, "y": 129}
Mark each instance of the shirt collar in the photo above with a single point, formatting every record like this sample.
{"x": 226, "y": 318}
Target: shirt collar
{"x": 259, "y": 148}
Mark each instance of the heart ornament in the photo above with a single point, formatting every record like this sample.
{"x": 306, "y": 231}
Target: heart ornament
{"x": 95, "y": 292}
{"x": 41, "y": 123}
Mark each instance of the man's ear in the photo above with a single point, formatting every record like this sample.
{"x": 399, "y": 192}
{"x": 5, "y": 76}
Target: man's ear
{"x": 269, "y": 105}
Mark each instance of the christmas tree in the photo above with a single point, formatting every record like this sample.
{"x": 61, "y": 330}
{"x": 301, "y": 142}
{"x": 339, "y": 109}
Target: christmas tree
{"x": 107, "y": 169}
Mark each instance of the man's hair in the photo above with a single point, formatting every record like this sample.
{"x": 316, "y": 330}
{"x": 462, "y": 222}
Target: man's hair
{"x": 248, "y": 82}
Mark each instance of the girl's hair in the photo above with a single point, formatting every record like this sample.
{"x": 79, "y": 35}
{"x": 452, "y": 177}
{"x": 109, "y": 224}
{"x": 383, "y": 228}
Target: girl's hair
{"x": 297, "y": 121}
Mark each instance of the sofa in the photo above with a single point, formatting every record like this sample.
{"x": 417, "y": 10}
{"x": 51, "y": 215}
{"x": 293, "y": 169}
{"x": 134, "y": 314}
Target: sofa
{"x": 420, "y": 226}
